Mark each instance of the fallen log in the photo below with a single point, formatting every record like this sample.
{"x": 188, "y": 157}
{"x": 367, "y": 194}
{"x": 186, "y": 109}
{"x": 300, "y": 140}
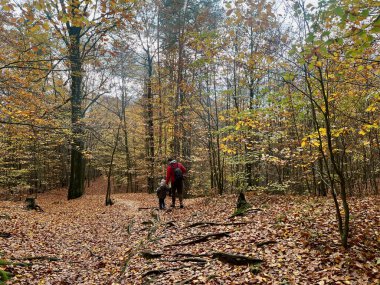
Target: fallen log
{"x": 149, "y": 223}
{"x": 204, "y": 224}
{"x": 43, "y": 257}
{"x": 236, "y": 259}
{"x": 5, "y": 235}
{"x": 6, "y": 262}
{"x": 161, "y": 270}
{"x": 194, "y": 259}
{"x": 150, "y": 254}
{"x": 193, "y": 255}
{"x": 188, "y": 259}
{"x": 197, "y": 224}
{"x": 199, "y": 239}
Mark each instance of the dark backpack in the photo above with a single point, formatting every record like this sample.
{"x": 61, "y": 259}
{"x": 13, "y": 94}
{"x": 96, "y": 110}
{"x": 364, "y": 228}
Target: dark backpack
{"x": 178, "y": 175}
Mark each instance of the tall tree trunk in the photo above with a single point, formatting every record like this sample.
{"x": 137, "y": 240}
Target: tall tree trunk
{"x": 128, "y": 159}
{"x": 219, "y": 165}
{"x": 178, "y": 97}
{"x": 178, "y": 113}
{"x": 76, "y": 187}
{"x": 109, "y": 174}
{"x": 150, "y": 126}
{"x": 343, "y": 222}
{"x": 160, "y": 103}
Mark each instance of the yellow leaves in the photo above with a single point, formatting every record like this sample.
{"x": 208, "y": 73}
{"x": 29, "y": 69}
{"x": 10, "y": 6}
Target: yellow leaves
{"x": 8, "y": 8}
{"x": 34, "y": 28}
{"x": 322, "y": 131}
{"x": 360, "y": 68}
{"x": 318, "y": 63}
{"x": 247, "y": 122}
{"x": 224, "y": 148}
{"x": 331, "y": 76}
{"x": 228, "y": 138}
{"x": 371, "y": 108}
{"x": 366, "y": 128}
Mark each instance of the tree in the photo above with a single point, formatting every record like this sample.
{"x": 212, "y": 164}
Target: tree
{"x": 81, "y": 26}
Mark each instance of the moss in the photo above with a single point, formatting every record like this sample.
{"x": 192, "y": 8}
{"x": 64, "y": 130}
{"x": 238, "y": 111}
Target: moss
{"x": 4, "y": 276}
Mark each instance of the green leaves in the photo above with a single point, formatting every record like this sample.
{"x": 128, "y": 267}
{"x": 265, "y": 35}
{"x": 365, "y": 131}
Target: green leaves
{"x": 288, "y": 76}
{"x": 339, "y": 11}
{"x": 310, "y": 38}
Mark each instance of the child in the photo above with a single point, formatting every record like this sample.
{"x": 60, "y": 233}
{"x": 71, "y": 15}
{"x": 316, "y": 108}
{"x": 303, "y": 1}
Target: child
{"x": 161, "y": 193}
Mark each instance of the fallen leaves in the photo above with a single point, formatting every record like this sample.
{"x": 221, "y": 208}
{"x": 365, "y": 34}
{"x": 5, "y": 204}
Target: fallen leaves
{"x": 83, "y": 242}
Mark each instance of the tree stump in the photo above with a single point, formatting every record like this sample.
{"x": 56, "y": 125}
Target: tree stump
{"x": 242, "y": 206}
{"x": 242, "y": 203}
{"x": 32, "y": 205}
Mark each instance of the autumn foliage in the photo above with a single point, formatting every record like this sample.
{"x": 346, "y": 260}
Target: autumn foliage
{"x": 259, "y": 97}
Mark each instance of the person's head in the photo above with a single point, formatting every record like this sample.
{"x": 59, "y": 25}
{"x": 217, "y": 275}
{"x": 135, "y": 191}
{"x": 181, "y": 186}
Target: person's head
{"x": 163, "y": 182}
{"x": 171, "y": 160}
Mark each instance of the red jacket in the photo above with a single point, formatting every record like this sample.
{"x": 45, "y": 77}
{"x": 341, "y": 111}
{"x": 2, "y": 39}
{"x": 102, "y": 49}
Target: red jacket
{"x": 170, "y": 171}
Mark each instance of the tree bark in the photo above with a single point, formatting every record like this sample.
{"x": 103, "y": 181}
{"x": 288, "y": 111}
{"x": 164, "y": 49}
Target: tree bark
{"x": 76, "y": 187}
{"x": 108, "y": 194}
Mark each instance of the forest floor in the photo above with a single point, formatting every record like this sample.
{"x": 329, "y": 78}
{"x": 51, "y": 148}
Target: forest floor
{"x": 84, "y": 242}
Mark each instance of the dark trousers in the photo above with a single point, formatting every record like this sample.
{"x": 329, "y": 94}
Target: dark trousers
{"x": 177, "y": 190}
{"x": 161, "y": 201}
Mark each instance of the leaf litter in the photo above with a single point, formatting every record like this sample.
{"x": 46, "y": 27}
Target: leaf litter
{"x": 82, "y": 241}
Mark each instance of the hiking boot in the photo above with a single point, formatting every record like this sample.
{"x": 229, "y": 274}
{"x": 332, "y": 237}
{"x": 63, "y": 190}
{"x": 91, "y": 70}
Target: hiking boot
{"x": 181, "y": 206}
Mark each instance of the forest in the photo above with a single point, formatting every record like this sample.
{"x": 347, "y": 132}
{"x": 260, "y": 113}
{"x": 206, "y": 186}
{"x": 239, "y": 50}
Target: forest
{"x": 275, "y": 100}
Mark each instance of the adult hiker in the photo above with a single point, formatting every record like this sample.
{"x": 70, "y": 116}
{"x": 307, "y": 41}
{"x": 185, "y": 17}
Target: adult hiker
{"x": 174, "y": 175}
